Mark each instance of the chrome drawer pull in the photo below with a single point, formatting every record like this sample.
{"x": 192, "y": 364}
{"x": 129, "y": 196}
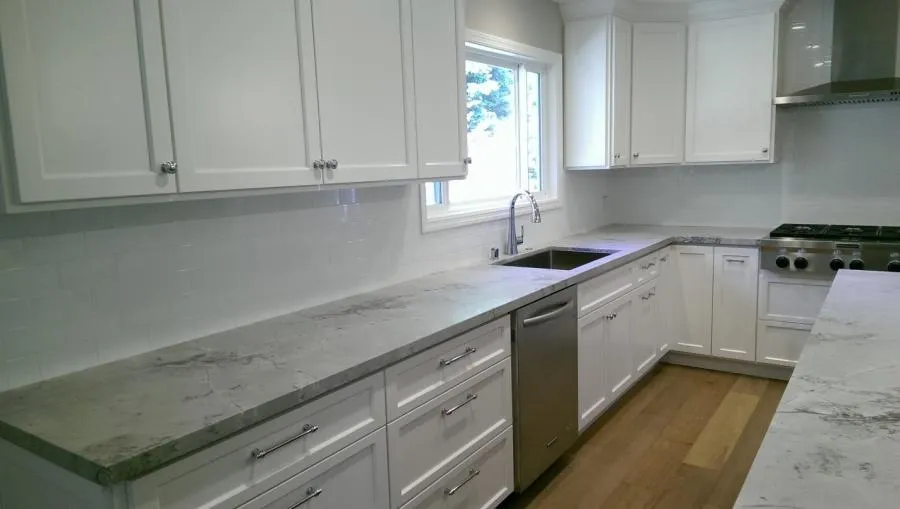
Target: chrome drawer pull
{"x": 469, "y": 398}
{"x": 469, "y": 351}
{"x": 308, "y": 429}
{"x": 734, "y": 260}
{"x": 473, "y": 473}
{"x": 310, "y": 494}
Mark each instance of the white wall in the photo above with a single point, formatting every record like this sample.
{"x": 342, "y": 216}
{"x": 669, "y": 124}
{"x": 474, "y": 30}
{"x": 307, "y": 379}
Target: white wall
{"x": 83, "y": 287}
{"x": 533, "y": 22}
{"x": 837, "y": 164}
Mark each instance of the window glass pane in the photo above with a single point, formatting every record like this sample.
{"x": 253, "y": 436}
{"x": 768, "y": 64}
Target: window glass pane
{"x": 533, "y": 127}
{"x": 492, "y": 134}
{"x": 431, "y": 192}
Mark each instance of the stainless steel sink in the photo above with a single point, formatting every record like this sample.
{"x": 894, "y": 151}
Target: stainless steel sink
{"x": 557, "y": 258}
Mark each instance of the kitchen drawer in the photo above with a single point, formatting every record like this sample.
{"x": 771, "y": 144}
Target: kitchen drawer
{"x": 647, "y": 268}
{"x": 593, "y": 294}
{"x": 435, "y": 437}
{"x": 791, "y": 299}
{"x": 354, "y": 478}
{"x": 780, "y": 343}
{"x": 481, "y": 481}
{"x": 427, "y": 375}
{"x": 230, "y": 473}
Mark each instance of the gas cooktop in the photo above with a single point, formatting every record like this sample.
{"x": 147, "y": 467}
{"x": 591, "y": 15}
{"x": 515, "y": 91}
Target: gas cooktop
{"x": 823, "y": 249}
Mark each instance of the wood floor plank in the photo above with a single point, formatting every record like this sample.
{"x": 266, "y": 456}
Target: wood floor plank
{"x": 685, "y": 488}
{"x": 734, "y": 472}
{"x": 750, "y": 385}
{"x": 721, "y": 433}
{"x": 691, "y": 418}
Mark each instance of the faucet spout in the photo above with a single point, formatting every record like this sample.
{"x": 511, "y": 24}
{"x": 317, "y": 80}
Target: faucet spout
{"x": 512, "y": 240}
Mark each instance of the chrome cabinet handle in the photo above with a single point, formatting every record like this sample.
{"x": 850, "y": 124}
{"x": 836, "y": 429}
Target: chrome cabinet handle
{"x": 535, "y": 320}
{"x": 308, "y": 429}
{"x": 467, "y": 161}
{"x": 169, "y": 167}
{"x": 319, "y": 165}
{"x": 612, "y": 316}
{"x": 664, "y": 258}
{"x": 469, "y": 351}
{"x": 311, "y": 493}
{"x": 735, "y": 260}
{"x": 636, "y": 155}
{"x": 470, "y": 397}
{"x": 473, "y": 473}
{"x": 765, "y": 150}
{"x": 331, "y": 164}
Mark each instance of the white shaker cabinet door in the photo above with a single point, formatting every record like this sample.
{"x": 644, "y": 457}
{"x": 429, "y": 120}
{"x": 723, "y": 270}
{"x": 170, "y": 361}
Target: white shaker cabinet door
{"x": 730, "y": 89}
{"x": 366, "y": 89}
{"x": 593, "y": 391}
{"x": 243, "y": 91}
{"x": 645, "y": 329}
{"x": 692, "y": 318}
{"x": 618, "y": 363}
{"x": 666, "y": 289}
{"x": 87, "y": 120}
{"x": 438, "y": 32}
{"x": 734, "y": 303}
{"x": 658, "y": 81}
{"x": 621, "y": 92}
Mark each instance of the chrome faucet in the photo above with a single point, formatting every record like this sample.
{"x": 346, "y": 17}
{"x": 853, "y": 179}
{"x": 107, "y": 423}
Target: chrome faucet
{"x": 513, "y": 240}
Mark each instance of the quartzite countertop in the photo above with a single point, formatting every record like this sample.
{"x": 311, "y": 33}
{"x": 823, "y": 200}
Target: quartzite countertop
{"x": 835, "y": 439}
{"x": 124, "y": 419}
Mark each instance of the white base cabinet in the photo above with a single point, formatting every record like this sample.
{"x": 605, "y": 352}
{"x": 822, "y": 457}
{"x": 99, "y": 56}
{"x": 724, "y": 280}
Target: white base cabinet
{"x": 734, "y": 303}
{"x": 692, "y": 327}
{"x": 645, "y": 328}
{"x": 781, "y": 343}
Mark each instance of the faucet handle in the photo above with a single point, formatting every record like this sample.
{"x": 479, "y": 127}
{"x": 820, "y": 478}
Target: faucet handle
{"x": 520, "y": 238}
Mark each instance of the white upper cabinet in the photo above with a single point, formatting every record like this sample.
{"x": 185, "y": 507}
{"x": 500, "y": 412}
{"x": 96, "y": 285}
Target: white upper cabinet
{"x": 621, "y": 92}
{"x": 658, "y": 88}
{"x": 734, "y": 302}
{"x": 588, "y": 85}
{"x": 730, "y": 89}
{"x": 86, "y": 97}
{"x": 243, "y": 91}
{"x": 364, "y": 68}
{"x": 438, "y": 32}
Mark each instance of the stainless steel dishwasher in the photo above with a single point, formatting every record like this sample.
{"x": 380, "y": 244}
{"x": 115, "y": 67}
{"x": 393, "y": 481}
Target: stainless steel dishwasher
{"x": 545, "y": 383}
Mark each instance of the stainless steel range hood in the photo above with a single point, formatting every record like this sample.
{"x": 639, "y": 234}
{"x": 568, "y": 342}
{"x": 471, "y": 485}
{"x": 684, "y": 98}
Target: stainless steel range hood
{"x": 839, "y": 51}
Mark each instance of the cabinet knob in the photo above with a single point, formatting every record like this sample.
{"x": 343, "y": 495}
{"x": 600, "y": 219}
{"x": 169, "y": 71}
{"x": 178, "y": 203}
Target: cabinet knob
{"x": 636, "y": 155}
{"x": 331, "y": 164}
{"x": 169, "y": 167}
{"x": 467, "y": 160}
{"x": 319, "y": 165}
{"x": 617, "y": 156}
{"x": 765, "y": 150}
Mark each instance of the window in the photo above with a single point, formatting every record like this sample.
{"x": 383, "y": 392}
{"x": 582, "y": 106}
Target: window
{"x": 512, "y": 99}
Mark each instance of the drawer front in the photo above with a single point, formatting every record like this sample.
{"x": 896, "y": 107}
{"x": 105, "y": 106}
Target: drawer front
{"x": 427, "y": 375}
{"x": 356, "y": 478}
{"x": 780, "y": 343}
{"x": 795, "y": 300}
{"x": 432, "y": 439}
{"x": 481, "y": 481}
{"x": 244, "y": 466}
{"x": 593, "y": 294}
{"x": 647, "y": 268}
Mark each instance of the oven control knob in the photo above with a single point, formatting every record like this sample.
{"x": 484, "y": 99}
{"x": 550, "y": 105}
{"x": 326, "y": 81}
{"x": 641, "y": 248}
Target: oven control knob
{"x": 783, "y": 262}
{"x": 801, "y": 263}
{"x": 894, "y": 266}
{"x": 837, "y": 264}
{"x": 857, "y": 264}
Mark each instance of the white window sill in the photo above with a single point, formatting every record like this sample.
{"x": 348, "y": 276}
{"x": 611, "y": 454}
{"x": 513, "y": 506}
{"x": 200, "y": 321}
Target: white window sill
{"x": 461, "y": 218}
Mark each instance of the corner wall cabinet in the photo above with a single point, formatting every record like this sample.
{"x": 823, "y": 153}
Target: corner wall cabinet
{"x": 262, "y": 97}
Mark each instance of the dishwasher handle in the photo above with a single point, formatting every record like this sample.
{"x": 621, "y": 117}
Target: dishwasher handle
{"x": 550, "y": 315}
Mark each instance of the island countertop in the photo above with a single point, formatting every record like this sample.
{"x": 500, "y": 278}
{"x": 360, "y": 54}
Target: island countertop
{"x": 834, "y": 441}
{"x": 124, "y": 419}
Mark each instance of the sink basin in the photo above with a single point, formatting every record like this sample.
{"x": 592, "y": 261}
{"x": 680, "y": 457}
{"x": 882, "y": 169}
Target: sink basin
{"x": 556, "y": 258}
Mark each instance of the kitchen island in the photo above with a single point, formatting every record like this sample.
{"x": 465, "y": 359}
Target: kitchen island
{"x": 835, "y": 439}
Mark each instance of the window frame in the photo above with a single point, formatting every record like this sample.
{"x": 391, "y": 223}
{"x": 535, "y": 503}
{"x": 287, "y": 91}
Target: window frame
{"x": 498, "y": 51}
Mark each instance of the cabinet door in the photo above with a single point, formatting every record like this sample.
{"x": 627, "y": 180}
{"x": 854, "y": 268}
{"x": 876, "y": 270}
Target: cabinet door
{"x": 730, "y": 89}
{"x": 692, "y": 329}
{"x": 734, "y": 303}
{"x": 243, "y": 91}
{"x": 86, "y": 98}
{"x": 438, "y": 32}
{"x": 666, "y": 291}
{"x": 657, "y": 102}
{"x": 618, "y": 364}
{"x": 621, "y": 93}
{"x": 645, "y": 329}
{"x": 365, "y": 81}
{"x": 356, "y": 477}
{"x": 593, "y": 391}
{"x": 781, "y": 343}
{"x": 587, "y": 64}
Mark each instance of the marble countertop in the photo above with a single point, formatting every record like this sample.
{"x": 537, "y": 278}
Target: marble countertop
{"x": 834, "y": 441}
{"x": 124, "y": 419}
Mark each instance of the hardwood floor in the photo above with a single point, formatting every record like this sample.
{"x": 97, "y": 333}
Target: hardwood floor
{"x": 684, "y": 438}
